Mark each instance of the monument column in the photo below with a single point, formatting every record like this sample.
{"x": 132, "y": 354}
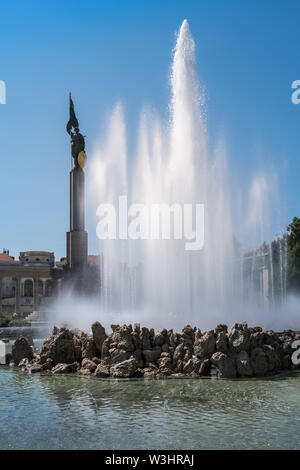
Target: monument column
{"x": 77, "y": 237}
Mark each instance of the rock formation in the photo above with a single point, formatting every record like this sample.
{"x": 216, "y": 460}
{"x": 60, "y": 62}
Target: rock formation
{"x": 21, "y": 350}
{"x": 142, "y": 352}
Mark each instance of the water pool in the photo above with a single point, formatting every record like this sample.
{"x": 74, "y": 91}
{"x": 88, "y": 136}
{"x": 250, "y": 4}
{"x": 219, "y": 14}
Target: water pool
{"x": 70, "y": 412}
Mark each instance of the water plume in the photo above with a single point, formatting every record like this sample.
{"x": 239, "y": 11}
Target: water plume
{"x": 157, "y": 282}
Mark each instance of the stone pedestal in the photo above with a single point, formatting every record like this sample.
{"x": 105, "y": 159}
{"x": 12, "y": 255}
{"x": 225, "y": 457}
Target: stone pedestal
{"x": 77, "y": 237}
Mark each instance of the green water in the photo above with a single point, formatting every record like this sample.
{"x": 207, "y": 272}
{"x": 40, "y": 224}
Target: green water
{"x": 69, "y": 412}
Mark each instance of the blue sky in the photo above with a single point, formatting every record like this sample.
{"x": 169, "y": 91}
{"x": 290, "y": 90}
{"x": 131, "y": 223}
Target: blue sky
{"x": 104, "y": 51}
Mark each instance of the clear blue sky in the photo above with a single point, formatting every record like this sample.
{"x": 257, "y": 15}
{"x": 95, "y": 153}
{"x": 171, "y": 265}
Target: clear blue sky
{"x": 247, "y": 58}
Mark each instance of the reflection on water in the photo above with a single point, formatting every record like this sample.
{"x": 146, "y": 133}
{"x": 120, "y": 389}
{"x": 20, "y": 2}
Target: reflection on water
{"x": 41, "y": 412}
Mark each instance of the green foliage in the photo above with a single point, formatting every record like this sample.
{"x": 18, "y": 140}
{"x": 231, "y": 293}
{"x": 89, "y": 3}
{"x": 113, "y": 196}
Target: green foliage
{"x": 18, "y": 322}
{"x": 293, "y": 230}
{"x": 4, "y": 322}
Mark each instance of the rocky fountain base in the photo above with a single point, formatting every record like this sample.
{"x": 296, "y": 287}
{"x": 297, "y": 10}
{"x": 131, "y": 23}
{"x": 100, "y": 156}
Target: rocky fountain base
{"x": 140, "y": 352}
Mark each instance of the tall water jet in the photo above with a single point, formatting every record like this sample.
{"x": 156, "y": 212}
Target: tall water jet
{"x": 155, "y": 279}
{"x": 271, "y": 271}
{"x": 285, "y": 262}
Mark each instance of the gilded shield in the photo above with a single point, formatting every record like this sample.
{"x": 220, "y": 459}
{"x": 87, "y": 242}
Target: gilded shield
{"x": 82, "y": 159}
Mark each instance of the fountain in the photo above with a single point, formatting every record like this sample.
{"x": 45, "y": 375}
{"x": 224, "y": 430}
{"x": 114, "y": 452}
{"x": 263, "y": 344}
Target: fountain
{"x": 158, "y": 279}
{"x": 158, "y": 282}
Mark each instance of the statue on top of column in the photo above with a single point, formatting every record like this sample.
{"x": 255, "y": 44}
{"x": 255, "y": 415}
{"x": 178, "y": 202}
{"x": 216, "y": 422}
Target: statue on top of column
{"x": 77, "y": 139}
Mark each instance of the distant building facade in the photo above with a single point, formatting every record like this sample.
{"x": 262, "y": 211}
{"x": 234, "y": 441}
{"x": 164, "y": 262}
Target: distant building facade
{"x": 29, "y": 284}
{"x": 26, "y": 285}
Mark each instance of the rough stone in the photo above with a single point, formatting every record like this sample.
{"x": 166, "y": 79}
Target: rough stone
{"x": 243, "y": 364}
{"x": 89, "y": 365}
{"x": 139, "y": 358}
{"x": 137, "y": 344}
{"x": 85, "y": 372}
{"x": 256, "y": 339}
{"x": 205, "y": 345}
{"x": 221, "y": 342}
{"x": 23, "y": 363}
{"x": 151, "y": 336}
{"x": 259, "y": 362}
{"x": 63, "y": 347}
{"x": 106, "y": 346}
{"x": 273, "y": 359}
{"x": 150, "y": 373}
{"x": 151, "y": 355}
{"x": 114, "y": 327}
{"x": 145, "y": 339}
{"x": 34, "y": 368}
{"x": 286, "y": 361}
{"x": 124, "y": 369}
{"x": 102, "y": 370}
{"x": 99, "y": 335}
{"x": 179, "y": 366}
{"x": 164, "y": 372}
{"x": 192, "y": 365}
{"x": 8, "y": 358}
{"x": 160, "y": 338}
{"x": 178, "y": 353}
{"x": 21, "y": 349}
{"x": 122, "y": 336}
{"x": 65, "y": 368}
{"x": 225, "y": 365}
{"x": 188, "y": 337}
{"x": 221, "y": 328}
{"x": 174, "y": 339}
{"x": 96, "y": 360}
{"x": 239, "y": 338}
{"x": 89, "y": 348}
{"x": 139, "y": 352}
{"x": 48, "y": 364}
{"x": 117, "y": 355}
{"x": 204, "y": 369}
{"x": 165, "y": 361}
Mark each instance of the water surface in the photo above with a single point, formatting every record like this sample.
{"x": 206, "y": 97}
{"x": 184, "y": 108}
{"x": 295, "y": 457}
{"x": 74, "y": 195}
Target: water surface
{"x": 69, "y": 412}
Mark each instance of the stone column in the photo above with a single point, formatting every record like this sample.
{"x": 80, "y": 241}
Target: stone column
{"x": 77, "y": 238}
{"x": 18, "y": 294}
{"x": 35, "y": 294}
{"x": 77, "y": 195}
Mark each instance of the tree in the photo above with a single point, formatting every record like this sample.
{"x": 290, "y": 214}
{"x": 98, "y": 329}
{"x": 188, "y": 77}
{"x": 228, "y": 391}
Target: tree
{"x": 293, "y": 230}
